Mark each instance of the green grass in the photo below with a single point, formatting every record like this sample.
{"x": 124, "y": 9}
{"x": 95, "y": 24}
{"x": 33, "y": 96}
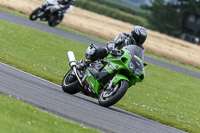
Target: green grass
{"x": 174, "y": 62}
{"x": 166, "y": 96}
{"x": 18, "y": 117}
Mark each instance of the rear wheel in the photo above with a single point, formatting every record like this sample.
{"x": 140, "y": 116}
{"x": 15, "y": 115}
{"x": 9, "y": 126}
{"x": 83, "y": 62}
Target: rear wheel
{"x": 111, "y": 96}
{"x": 34, "y": 14}
{"x": 53, "y": 24}
{"x": 55, "y": 21}
{"x": 70, "y": 83}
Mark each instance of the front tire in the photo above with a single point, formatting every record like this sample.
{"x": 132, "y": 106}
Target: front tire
{"x": 108, "y": 97}
{"x": 70, "y": 83}
{"x": 34, "y": 14}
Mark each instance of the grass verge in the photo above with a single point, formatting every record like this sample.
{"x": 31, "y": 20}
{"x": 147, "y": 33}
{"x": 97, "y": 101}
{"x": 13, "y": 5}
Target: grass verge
{"x": 18, "y": 117}
{"x": 165, "y": 96}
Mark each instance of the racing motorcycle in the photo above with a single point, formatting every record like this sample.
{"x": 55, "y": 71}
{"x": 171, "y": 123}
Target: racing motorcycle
{"x": 106, "y": 79}
{"x": 49, "y": 11}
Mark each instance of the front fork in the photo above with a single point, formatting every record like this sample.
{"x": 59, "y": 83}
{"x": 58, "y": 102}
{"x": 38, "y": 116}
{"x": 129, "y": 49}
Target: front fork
{"x": 76, "y": 74}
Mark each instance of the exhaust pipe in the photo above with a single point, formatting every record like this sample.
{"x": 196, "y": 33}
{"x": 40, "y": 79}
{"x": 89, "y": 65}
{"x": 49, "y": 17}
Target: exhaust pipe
{"x": 71, "y": 58}
{"x": 72, "y": 63}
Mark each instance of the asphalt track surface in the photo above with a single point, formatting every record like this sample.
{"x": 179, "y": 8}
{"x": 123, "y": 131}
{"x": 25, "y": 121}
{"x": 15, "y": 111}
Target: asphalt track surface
{"x": 79, "y": 108}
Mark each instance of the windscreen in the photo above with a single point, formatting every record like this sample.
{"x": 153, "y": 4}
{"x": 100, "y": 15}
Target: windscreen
{"x": 136, "y": 50}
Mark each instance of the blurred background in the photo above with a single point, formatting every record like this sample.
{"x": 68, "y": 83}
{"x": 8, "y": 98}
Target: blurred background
{"x": 177, "y": 18}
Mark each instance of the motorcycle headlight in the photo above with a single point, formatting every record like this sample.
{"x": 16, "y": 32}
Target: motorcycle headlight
{"x": 137, "y": 72}
{"x": 132, "y": 66}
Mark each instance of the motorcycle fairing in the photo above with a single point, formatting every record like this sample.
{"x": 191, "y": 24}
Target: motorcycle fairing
{"x": 93, "y": 84}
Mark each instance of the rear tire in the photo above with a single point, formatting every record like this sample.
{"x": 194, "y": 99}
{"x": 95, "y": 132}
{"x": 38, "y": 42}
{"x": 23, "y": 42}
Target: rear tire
{"x": 70, "y": 83}
{"x": 53, "y": 23}
{"x": 34, "y": 14}
{"x": 107, "y": 101}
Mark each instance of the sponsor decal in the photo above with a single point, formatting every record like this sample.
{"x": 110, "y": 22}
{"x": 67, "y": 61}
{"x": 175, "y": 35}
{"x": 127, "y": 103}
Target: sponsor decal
{"x": 86, "y": 83}
{"x": 135, "y": 56}
{"x": 137, "y": 63}
{"x": 130, "y": 56}
{"x": 89, "y": 89}
{"x": 111, "y": 67}
{"x": 90, "y": 75}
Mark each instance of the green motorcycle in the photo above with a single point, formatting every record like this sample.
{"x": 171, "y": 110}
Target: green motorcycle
{"x": 107, "y": 79}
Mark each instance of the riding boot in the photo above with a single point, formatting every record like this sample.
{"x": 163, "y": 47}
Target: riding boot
{"x": 82, "y": 64}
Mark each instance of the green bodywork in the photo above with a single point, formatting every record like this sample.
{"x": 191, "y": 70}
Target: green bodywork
{"x": 118, "y": 65}
{"x": 95, "y": 85}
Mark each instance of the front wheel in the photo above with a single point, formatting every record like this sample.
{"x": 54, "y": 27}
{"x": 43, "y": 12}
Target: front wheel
{"x": 111, "y": 96}
{"x": 70, "y": 83}
{"x": 34, "y": 14}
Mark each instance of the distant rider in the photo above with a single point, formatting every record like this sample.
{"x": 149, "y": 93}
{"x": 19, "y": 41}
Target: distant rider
{"x": 66, "y": 5}
{"x": 137, "y": 37}
{"x": 62, "y": 6}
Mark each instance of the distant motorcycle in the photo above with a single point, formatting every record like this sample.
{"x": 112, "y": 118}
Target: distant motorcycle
{"x": 107, "y": 79}
{"x": 49, "y": 11}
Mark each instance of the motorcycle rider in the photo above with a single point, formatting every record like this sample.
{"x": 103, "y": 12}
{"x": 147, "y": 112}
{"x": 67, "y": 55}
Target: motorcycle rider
{"x": 63, "y": 6}
{"x": 137, "y": 37}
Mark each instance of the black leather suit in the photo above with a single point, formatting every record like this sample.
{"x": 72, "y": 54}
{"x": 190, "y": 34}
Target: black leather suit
{"x": 119, "y": 42}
